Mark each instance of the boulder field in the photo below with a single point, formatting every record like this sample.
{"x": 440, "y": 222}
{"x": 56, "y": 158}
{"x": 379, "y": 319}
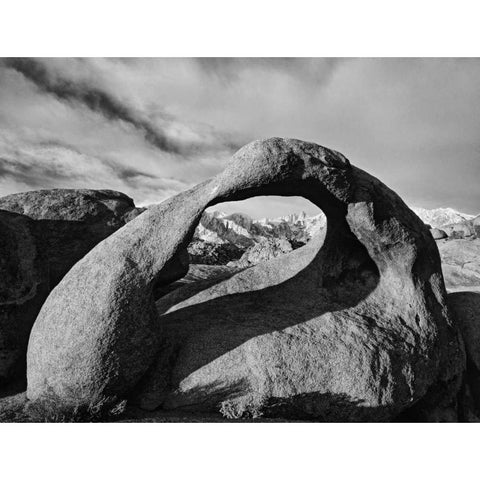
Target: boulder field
{"x": 352, "y": 327}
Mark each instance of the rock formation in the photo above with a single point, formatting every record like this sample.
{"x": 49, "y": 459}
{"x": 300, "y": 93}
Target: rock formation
{"x": 466, "y": 307}
{"x": 72, "y": 221}
{"x": 207, "y": 253}
{"x": 43, "y": 234}
{"x": 264, "y": 250}
{"x": 461, "y": 264}
{"x": 353, "y": 326}
{"x": 459, "y": 230}
{"x": 476, "y": 225}
{"x": 24, "y": 286}
{"x": 438, "y": 234}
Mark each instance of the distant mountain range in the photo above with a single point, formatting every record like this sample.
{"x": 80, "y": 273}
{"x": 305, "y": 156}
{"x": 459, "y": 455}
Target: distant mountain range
{"x": 241, "y": 230}
{"x": 439, "y": 217}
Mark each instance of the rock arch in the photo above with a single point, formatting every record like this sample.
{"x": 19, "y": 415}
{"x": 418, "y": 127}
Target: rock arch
{"x": 370, "y": 337}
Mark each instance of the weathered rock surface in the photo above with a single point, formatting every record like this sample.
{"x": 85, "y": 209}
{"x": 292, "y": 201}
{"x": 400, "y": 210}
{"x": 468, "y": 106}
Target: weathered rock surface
{"x": 438, "y": 234}
{"x": 91, "y": 206}
{"x": 459, "y": 230}
{"x": 198, "y": 278}
{"x": 466, "y": 308}
{"x": 207, "y": 253}
{"x": 353, "y": 326}
{"x": 476, "y": 225}
{"x": 43, "y": 234}
{"x": 460, "y": 264}
{"x": 72, "y": 221}
{"x": 263, "y": 251}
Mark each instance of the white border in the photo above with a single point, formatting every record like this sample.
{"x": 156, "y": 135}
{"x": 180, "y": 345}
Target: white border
{"x": 241, "y": 451}
{"x": 234, "y": 28}
{"x": 247, "y": 28}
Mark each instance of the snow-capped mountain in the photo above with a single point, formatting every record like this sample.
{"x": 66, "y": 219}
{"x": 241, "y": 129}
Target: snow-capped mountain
{"x": 439, "y": 217}
{"x": 295, "y": 226}
{"x": 243, "y": 231}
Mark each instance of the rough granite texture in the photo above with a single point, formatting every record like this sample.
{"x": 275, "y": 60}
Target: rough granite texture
{"x": 353, "y": 326}
{"x": 466, "y": 308}
{"x": 476, "y": 225}
{"x": 460, "y": 264}
{"x": 264, "y": 250}
{"x": 438, "y": 234}
{"x": 460, "y": 229}
{"x": 43, "y": 234}
{"x": 208, "y": 253}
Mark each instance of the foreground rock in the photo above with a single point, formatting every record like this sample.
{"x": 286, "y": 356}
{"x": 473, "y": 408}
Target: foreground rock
{"x": 353, "y": 326}
{"x": 198, "y": 278}
{"x": 466, "y": 307}
{"x": 43, "y": 234}
{"x": 24, "y": 285}
{"x": 72, "y": 222}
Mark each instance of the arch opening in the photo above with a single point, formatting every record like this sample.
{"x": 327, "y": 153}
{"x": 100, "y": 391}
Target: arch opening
{"x": 256, "y": 230}
{"x": 319, "y": 282}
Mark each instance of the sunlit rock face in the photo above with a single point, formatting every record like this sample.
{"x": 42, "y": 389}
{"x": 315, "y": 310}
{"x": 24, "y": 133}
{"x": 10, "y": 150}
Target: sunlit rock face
{"x": 353, "y": 326}
{"x": 460, "y": 264}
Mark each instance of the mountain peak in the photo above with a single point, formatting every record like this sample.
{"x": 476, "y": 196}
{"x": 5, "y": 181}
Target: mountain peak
{"x": 241, "y": 230}
{"x": 438, "y": 217}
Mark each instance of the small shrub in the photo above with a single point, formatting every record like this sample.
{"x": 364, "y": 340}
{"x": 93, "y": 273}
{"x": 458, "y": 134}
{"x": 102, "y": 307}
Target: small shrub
{"x": 235, "y": 409}
{"x": 51, "y": 409}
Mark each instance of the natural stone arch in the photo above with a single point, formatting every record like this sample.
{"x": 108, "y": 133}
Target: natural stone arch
{"x": 98, "y": 332}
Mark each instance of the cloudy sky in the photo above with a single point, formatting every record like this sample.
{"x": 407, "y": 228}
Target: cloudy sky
{"x": 154, "y": 127}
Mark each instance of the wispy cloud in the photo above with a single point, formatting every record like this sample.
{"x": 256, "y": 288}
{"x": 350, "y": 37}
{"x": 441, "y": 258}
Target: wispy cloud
{"x": 102, "y": 102}
{"x": 153, "y": 127}
{"x": 50, "y": 165}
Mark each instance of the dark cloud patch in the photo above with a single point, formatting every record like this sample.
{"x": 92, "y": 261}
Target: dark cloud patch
{"x": 41, "y": 175}
{"x": 136, "y": 178}
{"x": 34, "y": 176}
{"x": 93, "y": 98}
{"x": 139, "y": 179}
{"x": 132, "y": 173}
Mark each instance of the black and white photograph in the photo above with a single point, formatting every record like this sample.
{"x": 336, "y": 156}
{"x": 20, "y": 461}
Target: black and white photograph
{"x": 239, "y": 241}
